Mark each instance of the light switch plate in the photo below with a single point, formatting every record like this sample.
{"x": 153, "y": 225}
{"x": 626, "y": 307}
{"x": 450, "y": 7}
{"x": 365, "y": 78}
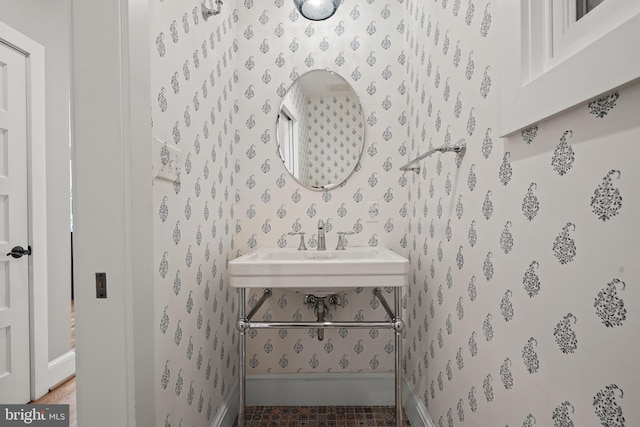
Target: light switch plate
{"x": 167, "y": 158}
{"x": 372, "y": 212}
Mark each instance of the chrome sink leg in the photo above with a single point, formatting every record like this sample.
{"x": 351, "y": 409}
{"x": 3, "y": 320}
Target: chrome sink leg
{"x": 398, "y": 327}
{"x": 242, "y": 350}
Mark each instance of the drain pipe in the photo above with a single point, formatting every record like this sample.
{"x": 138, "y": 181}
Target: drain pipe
{"x": 320, "y": 309}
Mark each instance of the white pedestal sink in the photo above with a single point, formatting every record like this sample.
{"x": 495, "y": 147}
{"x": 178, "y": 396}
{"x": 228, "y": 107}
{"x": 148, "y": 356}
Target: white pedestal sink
{"x": 319, "y": 272}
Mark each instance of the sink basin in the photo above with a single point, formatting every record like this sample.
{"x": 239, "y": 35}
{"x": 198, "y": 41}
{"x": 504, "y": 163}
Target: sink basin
{"x": 319, "y": 272}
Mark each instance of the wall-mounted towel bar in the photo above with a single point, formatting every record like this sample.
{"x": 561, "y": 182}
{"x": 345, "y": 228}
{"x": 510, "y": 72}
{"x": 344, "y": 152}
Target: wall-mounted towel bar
{"x": 209, "y": 11}
{"x": 460, "y": 149}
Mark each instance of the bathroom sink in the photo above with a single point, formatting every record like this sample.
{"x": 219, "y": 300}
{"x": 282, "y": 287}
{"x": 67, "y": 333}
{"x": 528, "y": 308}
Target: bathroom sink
{"x": 319, "y": 272}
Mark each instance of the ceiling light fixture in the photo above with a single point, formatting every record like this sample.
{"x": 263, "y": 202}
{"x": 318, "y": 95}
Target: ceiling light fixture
{"x": 317, "y": 10}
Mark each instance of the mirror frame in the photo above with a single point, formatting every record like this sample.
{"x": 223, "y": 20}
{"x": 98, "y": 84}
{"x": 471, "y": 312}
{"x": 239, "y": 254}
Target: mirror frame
{"x": 362, "y": 133}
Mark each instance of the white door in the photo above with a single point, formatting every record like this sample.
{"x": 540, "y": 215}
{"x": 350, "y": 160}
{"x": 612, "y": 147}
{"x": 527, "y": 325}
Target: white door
{"x": 14, "y": 271}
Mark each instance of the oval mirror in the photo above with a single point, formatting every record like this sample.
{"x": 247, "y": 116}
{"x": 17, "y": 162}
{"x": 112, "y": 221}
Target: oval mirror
{"x": 320, "y": 130}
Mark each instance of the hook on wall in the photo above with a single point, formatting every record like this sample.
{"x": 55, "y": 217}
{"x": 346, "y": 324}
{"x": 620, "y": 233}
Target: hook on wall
{"x": 209, "y": 11}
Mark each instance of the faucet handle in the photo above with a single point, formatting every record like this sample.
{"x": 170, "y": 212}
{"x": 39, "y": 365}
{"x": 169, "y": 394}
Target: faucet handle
{"x": 302, "y": 246}
{"x": 342, "y": 241}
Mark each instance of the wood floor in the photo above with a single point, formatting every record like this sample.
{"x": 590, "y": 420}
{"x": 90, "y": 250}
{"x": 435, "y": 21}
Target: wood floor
{"x": 65, "y": 393}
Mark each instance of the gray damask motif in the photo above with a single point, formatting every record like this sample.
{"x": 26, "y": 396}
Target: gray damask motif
{"x": 564, "y": 247}
{"x": 506, "y": 238}
{"x": 456, "y": 7}
{"x": 505, "y": 374}
{"x": 460, "y": 409}
{"x": 473, "y": 345}
{"x": 460, "y": 359}
{"x": 166, "y": 375}
{"x": 487, "y": 387}
{"x": 530, "y": 357}
{"x": 609, "y": 307}
{"x": 561, "y": 417}
{"x": 487, "y": 328}
{"x": 460, "y": 259}
{"x": 564, "y": 334}
{"x": 470, "y": 12}
{"x": 506, "y": 171}
{"x": 164, "y": 209}
{"x": 471, "y": 122}
{"x": 601, "y": 107}
{"x": 531, "y": 281}
{"x": 472, "y": 179}
{"x": 473, "y": 291}
{"x": 487, "y": 267}
{"x": 607, "y": 408}
{"x": 530, "y": 204}
{"x": 606, "y": 201}
{"x": 563, "y": 155}
{"x": 473, "y": 234}
{"x": 164, "y": 320}
{"x": 164, "y": 265}
{"x": 487, "y": 144}
{"x": 506, "y": 307}
{"x": 486, "y": 21}
{"x": 162, "y": 99}
{"x": 160, "y": 45}
{"x": 473, "y": 403}
{"x": 487, "y": 206}
{"x": 529, "y": 421}
{"x": 485, "y": 86}
{"x": 529, "y": 134}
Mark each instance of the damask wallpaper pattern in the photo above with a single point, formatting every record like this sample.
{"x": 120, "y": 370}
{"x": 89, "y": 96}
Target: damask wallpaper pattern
{"x": 195, "y": 109}
{"x": 523, "y": 252}
{"x": 521, "y": 302}
{"x": 275, "y": 46}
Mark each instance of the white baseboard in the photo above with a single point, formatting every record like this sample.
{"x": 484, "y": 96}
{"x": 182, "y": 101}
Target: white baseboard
{"x": 415, "y": 409}
{"x": 228, "y": 412}
{"x": 325, "y": 389}
{"x": 61, "y": 368}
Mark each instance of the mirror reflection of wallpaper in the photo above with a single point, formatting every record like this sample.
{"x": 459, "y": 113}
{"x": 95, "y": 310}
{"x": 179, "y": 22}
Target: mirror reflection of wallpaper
{"x": 334, "y": 138}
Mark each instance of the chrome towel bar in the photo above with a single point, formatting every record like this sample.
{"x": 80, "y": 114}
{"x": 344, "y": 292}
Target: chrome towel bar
{"x": 460, "y": 149}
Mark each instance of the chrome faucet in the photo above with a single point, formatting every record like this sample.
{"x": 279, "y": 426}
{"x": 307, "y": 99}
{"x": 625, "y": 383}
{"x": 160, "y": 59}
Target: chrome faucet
{"x": 321, "y": 241}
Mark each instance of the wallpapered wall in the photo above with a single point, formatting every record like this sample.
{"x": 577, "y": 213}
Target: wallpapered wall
{"x": 275, "y": 46}
{"x": 521, "y": 302}
{"x": 195, "y": 108}
{"x": 523, "y": 295}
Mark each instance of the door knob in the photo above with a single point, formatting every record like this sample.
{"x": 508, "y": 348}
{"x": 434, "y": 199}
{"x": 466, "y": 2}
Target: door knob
{"x": 19, "y": 251}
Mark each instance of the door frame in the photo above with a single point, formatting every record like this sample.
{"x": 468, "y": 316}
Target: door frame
{"x": 37, "y": 204}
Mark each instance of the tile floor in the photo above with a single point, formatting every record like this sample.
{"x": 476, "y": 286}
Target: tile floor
{"x": 321, "y": 416}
